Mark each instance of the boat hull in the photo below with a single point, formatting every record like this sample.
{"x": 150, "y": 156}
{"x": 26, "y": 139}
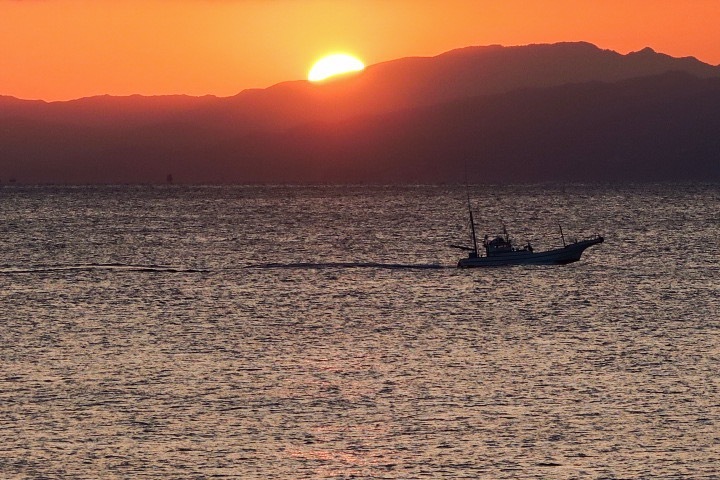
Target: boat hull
{"x": 559, "y": 256}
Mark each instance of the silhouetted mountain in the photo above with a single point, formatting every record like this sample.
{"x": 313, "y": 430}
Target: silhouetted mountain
{"x": 536, "y": 113}
{"x": 468, "y": 72}
{"x": 658, "y": 128}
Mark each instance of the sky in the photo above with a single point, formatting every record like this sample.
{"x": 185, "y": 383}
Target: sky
{"x": 66, "y": 49}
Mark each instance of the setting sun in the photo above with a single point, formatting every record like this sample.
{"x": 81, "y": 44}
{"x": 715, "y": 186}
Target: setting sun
{"x": 332, "y": 65}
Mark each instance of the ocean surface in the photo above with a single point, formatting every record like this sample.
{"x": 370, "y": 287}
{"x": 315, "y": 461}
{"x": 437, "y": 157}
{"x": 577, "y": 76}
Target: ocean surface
{"x": 177, "y": 332}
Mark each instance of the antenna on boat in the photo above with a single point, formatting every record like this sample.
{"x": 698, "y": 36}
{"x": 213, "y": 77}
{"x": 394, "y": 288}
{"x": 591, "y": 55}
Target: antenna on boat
{"x": 562, "y": 235}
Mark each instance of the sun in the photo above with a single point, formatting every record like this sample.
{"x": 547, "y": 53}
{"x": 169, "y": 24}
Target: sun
{"x": 335, "y": 64}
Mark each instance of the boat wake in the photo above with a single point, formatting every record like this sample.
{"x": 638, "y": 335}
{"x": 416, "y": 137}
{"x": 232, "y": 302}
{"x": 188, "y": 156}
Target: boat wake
{"x": 344, "y": 265}
{"x": 120, "y": 267}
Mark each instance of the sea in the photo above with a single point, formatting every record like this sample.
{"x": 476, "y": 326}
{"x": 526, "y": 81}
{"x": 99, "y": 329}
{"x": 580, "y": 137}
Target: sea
{"x": 324, "y": 332}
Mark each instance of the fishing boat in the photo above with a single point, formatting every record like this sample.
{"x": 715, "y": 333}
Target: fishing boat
{"x": 500, "y": 251}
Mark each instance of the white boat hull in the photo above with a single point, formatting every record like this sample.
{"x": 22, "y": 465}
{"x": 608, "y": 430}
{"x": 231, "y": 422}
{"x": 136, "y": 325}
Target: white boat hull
{"x": 559, "y": 256}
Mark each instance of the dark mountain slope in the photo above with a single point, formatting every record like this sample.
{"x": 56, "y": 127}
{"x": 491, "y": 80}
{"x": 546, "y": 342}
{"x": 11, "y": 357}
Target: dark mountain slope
{"x": 422, "y": 81}
{"x": 661, "y": 128}
{"x": 536, "y": 113}
{"x": 657, "y": 128}
{"x": 385, "y": 87}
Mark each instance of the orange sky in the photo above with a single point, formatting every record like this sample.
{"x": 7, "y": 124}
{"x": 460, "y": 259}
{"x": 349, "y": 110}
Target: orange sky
{"x": 65, "y": 49}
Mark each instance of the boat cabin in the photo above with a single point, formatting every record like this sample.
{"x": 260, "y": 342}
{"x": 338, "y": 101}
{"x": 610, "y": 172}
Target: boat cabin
{"x": 498, "y": 244}
{"x": 502, "y": 244}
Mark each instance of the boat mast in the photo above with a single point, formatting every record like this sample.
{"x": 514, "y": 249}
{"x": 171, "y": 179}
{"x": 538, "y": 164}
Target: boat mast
{"x": 472, "y": 221}
{"x": 561, "y": 235}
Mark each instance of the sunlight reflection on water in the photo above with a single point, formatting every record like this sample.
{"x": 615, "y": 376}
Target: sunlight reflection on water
{"x": 135, "y": 342}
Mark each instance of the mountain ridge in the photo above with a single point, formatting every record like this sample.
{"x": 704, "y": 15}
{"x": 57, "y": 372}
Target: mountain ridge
{"x": 290, "y": 131}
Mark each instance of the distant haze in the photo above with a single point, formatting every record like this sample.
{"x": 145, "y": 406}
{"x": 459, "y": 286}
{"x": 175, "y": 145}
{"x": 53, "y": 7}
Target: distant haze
{"x": 538, "y": 113}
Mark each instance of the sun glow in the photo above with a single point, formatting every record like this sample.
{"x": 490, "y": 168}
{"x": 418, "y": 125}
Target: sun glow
{"x": 332, "y": 65}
